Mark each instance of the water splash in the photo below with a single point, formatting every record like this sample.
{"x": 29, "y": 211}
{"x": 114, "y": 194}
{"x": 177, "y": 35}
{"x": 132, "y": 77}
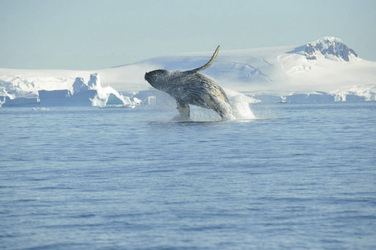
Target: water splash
{"x": 241, "y": 105}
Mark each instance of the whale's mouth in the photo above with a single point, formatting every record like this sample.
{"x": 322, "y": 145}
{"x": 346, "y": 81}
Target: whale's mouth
{"x": 147, "y": 76}
{"x": 150, "y": 77}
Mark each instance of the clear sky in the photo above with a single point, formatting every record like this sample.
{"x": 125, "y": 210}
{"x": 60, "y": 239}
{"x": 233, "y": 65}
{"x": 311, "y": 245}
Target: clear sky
{"x": 95, "y": 34}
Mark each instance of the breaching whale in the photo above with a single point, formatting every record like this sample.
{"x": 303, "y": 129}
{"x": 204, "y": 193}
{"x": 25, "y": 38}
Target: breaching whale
{"x": 190, "y": 87}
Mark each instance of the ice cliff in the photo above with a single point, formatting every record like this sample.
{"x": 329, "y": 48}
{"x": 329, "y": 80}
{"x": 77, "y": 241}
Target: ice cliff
{"x": 20, "y": 92}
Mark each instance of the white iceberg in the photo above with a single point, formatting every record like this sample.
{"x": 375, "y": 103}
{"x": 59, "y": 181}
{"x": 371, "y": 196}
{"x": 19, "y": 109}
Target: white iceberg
{"x": 21, "y": 92}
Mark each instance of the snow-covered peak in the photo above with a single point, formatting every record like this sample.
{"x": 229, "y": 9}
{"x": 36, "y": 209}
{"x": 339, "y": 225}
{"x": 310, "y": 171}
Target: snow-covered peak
{"x": 331, "y": 48}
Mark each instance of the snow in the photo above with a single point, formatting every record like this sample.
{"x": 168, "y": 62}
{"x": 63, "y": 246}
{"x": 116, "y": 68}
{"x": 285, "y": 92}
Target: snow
{"x": 325, "y": 70}
{"x": 331, "y": 48}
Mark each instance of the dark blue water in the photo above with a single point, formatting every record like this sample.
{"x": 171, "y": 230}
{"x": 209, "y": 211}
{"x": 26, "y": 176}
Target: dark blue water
{"x": 301, "y": 176}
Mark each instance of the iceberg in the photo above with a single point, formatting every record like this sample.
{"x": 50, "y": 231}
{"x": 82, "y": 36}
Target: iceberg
{"x": 23, "y": 93}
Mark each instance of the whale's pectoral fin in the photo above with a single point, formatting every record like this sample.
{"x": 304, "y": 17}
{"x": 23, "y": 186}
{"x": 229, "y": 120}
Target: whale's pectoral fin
{"x": 183, "y": 108}
{"x": 207, "y": 65}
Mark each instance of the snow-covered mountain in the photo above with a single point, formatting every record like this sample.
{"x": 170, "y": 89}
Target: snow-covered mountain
{"x": 325, "y": 70}
{"x": 331, "y": 48}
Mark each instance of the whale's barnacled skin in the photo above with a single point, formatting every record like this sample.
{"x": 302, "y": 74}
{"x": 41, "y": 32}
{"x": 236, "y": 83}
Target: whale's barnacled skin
{"x": 191, "y": 87}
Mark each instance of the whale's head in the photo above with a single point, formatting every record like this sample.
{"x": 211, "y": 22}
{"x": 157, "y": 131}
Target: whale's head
{"x": 157, "y": 78}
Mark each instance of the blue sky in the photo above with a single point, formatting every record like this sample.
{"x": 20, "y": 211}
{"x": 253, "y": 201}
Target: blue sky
{"x": 94, "y": 34}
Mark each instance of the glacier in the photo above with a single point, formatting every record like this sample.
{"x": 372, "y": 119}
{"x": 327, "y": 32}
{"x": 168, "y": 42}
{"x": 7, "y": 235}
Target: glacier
{"x": 322, "y": 71}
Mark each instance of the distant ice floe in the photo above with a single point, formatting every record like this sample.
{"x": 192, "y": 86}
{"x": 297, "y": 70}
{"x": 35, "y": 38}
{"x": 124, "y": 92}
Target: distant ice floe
{"x": 353, "y": 94}
{"x": 356, "y": 93}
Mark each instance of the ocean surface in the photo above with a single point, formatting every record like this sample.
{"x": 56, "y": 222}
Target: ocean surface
{"x": 297, "y": 177}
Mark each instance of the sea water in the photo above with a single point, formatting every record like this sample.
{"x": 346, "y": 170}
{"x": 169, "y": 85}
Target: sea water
{"x": 297, "y": 176}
